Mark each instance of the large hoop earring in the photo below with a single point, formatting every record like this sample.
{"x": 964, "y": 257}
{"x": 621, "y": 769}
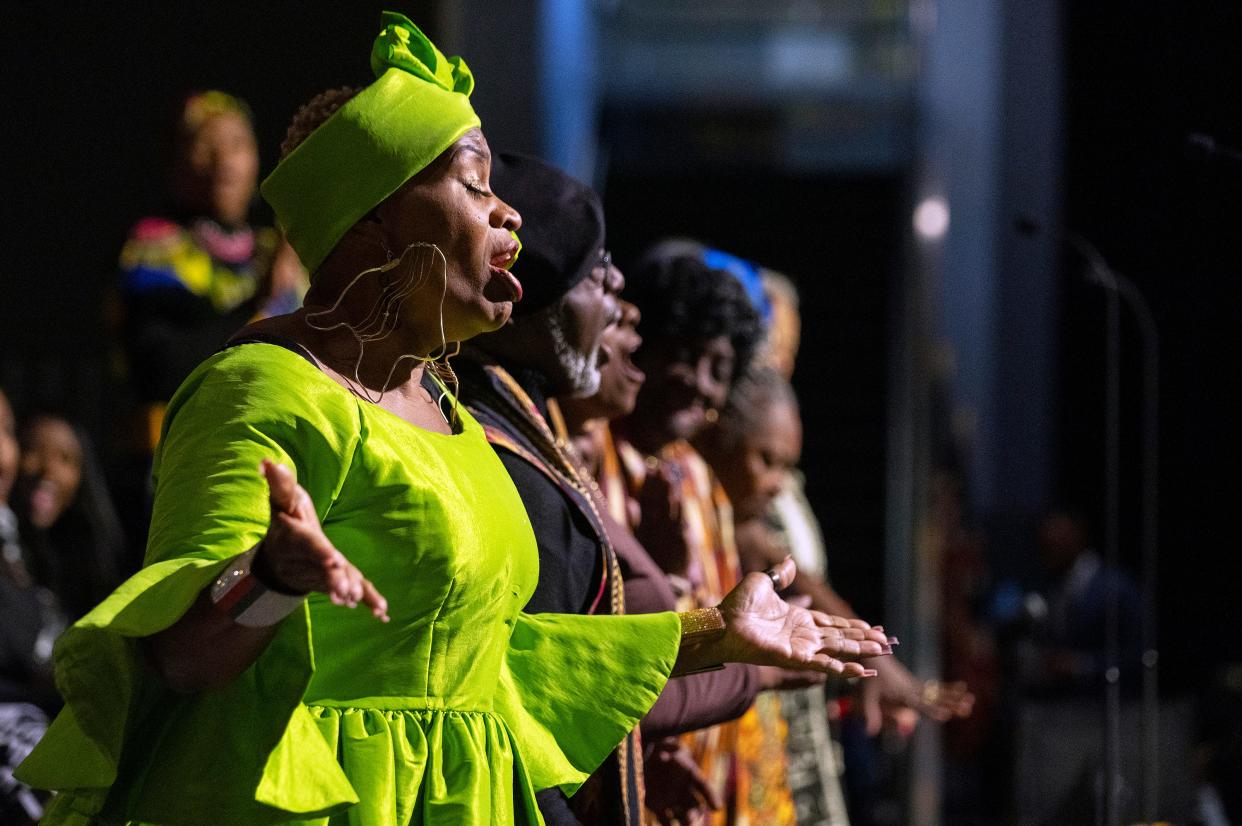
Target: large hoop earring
{"x": 375, "y": 325}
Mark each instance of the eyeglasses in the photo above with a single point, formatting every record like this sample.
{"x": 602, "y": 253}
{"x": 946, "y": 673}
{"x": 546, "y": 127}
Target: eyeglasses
{"x": 607, "y": 275}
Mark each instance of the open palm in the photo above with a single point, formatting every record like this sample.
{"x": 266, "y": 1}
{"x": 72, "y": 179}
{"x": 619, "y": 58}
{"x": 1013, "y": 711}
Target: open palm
{"x": 297, "y": 554}
{"x": 762, "y": 628}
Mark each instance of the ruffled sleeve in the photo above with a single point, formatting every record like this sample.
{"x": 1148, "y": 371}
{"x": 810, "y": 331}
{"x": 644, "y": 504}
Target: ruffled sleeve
{"x": 573, "y": 686}
{"x": 125, "y": 747}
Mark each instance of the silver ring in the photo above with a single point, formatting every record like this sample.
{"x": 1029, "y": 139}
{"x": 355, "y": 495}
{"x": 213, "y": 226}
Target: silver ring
{"x": 775, "y": 577}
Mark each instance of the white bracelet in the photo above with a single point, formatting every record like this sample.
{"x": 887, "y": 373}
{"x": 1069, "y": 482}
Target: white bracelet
{"x": 239, "y": 593}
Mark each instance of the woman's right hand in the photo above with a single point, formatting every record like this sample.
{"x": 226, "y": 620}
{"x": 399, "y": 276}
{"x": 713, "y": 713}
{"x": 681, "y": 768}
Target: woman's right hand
{"x": 205, "y": 649}
{"x": 763, "y": 629}
{"x": 760, "y": 628}
{"x": 296, "y": 556}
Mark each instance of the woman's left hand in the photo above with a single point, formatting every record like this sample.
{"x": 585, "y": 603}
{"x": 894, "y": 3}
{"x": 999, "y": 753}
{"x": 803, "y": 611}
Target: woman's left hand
{"x": 763, "y": 629}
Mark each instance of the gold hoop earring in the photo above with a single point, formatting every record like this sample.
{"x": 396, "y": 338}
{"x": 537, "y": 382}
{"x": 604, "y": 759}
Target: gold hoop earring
{"x": 375, "y": 327}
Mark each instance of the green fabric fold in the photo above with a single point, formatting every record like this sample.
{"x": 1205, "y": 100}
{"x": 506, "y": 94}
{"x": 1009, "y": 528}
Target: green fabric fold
{"x": 574, "y": 686}
{"x": 120, "y": 721}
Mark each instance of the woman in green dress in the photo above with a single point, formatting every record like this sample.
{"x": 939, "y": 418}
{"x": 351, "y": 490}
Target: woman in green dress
{"x": 315, "y": 466}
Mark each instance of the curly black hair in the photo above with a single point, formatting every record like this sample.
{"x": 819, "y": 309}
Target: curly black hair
{"x": 680, "y": 296}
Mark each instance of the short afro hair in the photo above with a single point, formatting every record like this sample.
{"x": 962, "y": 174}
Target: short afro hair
{"x": 680, "y": 296}
{"x": 313, "y": 114}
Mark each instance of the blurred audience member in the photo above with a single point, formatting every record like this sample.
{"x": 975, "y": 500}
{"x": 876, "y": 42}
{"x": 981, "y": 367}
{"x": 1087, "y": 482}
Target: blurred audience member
{"x": 968, "y": 650}
{"x": 1066, "y": 650}
{"x": 975, "y": 764}
{"x": 29, "y": 624}
{"x": 195, "y": 274}
{"x": 191, "y": 276}
{"x": 70, "y": 530}
{"x": 1061, "y": 666}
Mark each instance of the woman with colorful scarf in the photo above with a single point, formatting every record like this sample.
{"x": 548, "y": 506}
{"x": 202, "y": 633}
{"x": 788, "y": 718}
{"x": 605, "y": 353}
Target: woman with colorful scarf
{"x": 189, "y": 278}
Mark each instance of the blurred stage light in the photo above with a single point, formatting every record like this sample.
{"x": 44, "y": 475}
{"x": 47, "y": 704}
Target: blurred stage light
{"x": 931, "y": 218}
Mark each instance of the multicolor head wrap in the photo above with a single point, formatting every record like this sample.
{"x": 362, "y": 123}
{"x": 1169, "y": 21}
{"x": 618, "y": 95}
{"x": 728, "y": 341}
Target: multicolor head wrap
{"x": 418, "y": 106}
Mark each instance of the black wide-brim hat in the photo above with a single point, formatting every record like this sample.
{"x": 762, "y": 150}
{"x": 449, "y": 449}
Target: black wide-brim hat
{"x": 562, "y": 227}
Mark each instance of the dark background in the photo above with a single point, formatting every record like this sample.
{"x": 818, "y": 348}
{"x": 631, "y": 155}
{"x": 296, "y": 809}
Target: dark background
{"x": 1139, "y": 78}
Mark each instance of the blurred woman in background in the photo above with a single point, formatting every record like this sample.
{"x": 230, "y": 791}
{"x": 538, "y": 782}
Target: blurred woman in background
{"x": 700, "y": 326}
{"x": 70, "y": 529}
{"x": 754, "y": 447}
{"x": 677, "y": 789}
{"x": 194, "y": 275}
{"x": 30, "y": 621}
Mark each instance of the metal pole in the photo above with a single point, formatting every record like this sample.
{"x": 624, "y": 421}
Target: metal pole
{"x": 1119, "y": 288}
{"x": 1150, "y": 723}
{"x": 1112, "y": 556}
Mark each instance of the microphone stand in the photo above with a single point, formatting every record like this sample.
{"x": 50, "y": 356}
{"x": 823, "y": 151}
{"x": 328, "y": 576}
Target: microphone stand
{"x": 1118, "y": 289}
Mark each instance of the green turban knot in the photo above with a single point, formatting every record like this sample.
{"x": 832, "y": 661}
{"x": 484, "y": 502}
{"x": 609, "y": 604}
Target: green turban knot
{"x": 418, "y": 106}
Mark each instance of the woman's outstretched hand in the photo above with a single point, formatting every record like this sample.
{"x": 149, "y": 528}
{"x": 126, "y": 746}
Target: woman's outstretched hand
{"x": 206, "y": 649}
{"x": 296, "y": 556}
{"x": 897, "y": 699}
{"x": 763, "y": 629}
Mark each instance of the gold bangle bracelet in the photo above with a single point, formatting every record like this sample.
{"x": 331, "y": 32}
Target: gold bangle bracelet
{"x": 701, "y": 624}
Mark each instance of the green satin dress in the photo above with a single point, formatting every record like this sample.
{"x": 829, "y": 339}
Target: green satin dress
{"x": 454, "y": 712}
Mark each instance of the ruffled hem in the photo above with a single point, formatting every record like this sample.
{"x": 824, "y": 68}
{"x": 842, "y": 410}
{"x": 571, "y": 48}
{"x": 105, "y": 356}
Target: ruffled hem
{"x": 225, "y": 756}
{"x": 412, "y": 766}
{"x": 570, "y": 689}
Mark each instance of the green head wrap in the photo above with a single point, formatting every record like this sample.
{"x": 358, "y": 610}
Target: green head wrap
{"x": 418, "y": 106}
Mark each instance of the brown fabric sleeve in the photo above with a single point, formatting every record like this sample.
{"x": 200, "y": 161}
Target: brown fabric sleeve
{"x": 702, "y": 700}
{"x": 687, "y": 703}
